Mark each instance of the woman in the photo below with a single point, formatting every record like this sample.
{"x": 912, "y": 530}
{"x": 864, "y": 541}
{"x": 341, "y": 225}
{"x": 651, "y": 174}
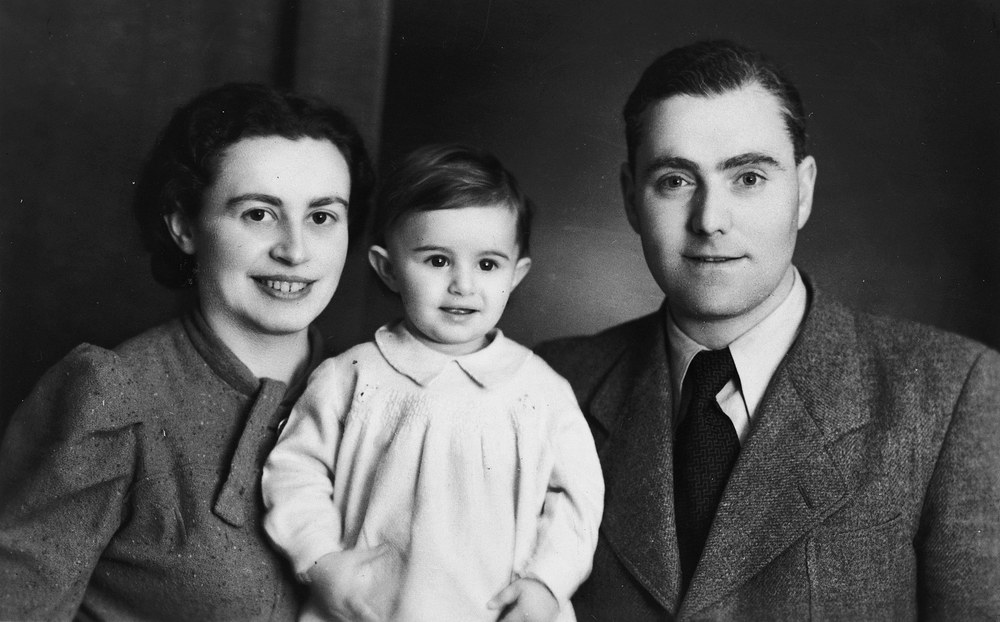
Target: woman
{"x": 130, "y": 478}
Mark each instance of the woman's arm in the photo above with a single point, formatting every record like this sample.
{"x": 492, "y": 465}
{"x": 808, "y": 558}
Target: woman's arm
{"x": 66, "y": 465}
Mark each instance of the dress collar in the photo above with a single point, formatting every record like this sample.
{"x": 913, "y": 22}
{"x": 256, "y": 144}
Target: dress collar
{"x": 230, "y": 368}
{"x": 495, "y": 363}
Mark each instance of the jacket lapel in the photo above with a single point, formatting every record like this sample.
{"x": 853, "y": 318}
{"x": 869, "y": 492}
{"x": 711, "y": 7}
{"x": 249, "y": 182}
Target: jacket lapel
{"x": 786, "y": 481}
{"x": 634, "y": 405}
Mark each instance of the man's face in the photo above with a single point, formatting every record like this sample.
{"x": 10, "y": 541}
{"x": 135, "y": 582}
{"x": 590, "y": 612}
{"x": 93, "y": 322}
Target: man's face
{"x": 718, "y": 200}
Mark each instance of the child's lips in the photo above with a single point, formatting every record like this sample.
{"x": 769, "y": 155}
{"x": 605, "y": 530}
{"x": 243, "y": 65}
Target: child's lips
{"x": 458, "y": 310}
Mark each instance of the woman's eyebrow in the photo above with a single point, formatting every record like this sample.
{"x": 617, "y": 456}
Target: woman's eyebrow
{"x": 255, "y": 197}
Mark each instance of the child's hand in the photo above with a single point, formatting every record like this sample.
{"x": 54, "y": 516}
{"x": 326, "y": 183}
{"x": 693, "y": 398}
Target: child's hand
{"x": 355, "y": 585}
{"x": 525, "y": 599}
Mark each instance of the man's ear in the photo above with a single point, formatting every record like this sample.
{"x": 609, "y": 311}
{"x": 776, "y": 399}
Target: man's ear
{"x": 378, "y": 257}
{"x": 806, "y": 171}
{"x": 628, "y": 195}
{"x": 181, "y": 230}
{"x": 521, "y": 269}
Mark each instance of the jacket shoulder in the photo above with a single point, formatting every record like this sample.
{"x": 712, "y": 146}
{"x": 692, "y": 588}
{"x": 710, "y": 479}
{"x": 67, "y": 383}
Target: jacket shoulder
{"x": 586, "y": 360}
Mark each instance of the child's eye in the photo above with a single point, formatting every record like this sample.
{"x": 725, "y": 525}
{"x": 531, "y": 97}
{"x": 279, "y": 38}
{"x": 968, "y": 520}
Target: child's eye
{"x": 488, "y": 264}
{"x": 438, "y": 261}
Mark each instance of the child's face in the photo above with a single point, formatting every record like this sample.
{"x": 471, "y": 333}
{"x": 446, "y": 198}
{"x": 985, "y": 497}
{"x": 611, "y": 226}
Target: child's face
{"x": 455, "y": 270}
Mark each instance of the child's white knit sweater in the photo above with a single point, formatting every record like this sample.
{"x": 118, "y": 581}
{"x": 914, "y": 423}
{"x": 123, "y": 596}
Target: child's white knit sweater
{"x": 474, "y": 469}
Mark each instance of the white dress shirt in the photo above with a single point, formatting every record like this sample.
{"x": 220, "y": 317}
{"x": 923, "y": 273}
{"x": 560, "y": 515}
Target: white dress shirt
{"x": 757, "y": 354}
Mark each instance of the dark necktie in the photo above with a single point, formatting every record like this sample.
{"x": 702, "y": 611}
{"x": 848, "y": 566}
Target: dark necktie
{"x": 704, "y": 453}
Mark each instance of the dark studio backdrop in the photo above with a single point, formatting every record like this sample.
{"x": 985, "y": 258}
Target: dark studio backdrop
{"x": 903, "y": 98}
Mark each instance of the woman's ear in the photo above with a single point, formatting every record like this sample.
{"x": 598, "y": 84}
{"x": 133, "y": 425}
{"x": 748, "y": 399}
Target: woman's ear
{"x": 181, "y": 231}
{"x": 378, "y": 257}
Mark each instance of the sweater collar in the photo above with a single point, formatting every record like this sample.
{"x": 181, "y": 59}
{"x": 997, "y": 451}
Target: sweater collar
{"x": 495, "y": 363}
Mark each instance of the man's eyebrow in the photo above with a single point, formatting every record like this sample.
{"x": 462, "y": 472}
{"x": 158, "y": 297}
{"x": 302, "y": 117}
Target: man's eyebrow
{"x": 667, "y": 161}
{"x": 749, "y": 159}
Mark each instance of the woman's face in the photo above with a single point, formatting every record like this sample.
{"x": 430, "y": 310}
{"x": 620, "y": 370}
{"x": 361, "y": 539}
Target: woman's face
{"x": 271, "y": 238}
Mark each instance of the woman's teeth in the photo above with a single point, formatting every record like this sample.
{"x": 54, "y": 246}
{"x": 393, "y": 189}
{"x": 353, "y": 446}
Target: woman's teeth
{"x": 285, "y": 287}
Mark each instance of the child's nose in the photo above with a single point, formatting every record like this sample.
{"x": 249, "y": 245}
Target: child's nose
{"x": 461, "y": 281}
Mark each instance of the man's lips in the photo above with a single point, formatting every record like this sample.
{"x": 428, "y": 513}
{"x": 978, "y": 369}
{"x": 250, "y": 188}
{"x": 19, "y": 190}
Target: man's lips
{"x": 712, "y": 259}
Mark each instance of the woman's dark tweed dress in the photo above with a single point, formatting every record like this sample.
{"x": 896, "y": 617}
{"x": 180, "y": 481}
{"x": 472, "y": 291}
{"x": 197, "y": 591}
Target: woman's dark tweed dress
{"x": 130, "y": 485}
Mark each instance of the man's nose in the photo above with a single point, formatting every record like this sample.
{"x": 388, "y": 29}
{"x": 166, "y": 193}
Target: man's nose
{"x": 711, "y": 211}
{"x": 290, "y": 247}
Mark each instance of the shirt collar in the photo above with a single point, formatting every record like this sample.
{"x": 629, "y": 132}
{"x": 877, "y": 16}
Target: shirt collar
{"x": 497, "y": 362}
{"x": 757, "y": 352}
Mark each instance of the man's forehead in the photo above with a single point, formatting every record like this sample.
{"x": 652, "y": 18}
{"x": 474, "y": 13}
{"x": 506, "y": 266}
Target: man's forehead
{"x": 716, "y": 127}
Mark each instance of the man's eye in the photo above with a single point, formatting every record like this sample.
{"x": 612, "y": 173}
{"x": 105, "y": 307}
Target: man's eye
{"x": 438, "y": 261}
{"x": 669, "y": 183}
{"x": 488, "y": 264}
{"x": 750, "y": 179}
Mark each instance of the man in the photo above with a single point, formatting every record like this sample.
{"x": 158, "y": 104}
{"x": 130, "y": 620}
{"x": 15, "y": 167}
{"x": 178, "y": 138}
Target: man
{"x": 819, "y": 462}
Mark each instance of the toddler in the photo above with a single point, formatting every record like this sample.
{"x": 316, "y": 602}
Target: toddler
{"x": 441, "y": 472}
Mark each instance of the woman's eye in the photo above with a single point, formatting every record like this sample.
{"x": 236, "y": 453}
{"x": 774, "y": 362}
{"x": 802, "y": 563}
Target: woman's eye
{"x": 487, "y": 265}
{"x": 438, "y": 261}
{"x": 256, "y": 215}
{"x": 321, "y": 218}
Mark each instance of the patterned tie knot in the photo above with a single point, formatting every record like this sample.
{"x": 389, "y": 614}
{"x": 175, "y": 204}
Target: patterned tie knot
{"x": 710, "y": 371}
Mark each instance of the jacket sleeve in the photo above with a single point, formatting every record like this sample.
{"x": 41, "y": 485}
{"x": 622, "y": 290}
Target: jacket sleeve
{"x": 302, "y": 518}
{"x": 66, "y": 465}
{"x": 958, "y": 545}
{"x": 574, "y": 503}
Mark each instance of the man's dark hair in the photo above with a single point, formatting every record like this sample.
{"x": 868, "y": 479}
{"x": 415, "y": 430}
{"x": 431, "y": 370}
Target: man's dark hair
{"x": 449, "y": 176}
{"x": 711, "y": 68}
{"x": 185, "y": 160}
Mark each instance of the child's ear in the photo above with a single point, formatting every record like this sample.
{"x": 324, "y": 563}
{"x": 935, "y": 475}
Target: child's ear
{"x": 378, "y": 257}
{"x": 521, "y": 270}
{"x": 181, "y": 231}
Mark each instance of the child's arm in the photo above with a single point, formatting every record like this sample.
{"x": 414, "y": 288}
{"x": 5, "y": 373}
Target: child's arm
{"x": 574, "y": 502}
{"x": 302, "y": 519}
{"x": 526, "y": 600}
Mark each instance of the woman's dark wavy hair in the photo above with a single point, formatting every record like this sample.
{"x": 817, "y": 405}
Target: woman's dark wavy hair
{"x": 449, "y": 176}
{"x": 185, "y": 160}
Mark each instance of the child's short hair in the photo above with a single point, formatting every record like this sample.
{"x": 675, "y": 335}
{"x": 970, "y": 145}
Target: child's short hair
{"x": 449, "y": 176}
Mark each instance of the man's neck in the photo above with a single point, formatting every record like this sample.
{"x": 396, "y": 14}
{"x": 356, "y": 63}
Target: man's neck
{"x": 718, "y": 332}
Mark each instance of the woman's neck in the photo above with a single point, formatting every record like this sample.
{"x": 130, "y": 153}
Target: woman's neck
{"x": 279, "y": 357}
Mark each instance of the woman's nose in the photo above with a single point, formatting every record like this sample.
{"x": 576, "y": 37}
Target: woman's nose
{"x": 290, "y": 247}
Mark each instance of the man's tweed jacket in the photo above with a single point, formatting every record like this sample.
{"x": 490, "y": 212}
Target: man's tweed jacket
{"x": 867, "y": 489}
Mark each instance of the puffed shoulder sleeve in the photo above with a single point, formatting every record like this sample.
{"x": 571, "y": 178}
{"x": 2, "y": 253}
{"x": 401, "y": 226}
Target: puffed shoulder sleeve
{"x": 66, "y": 464}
